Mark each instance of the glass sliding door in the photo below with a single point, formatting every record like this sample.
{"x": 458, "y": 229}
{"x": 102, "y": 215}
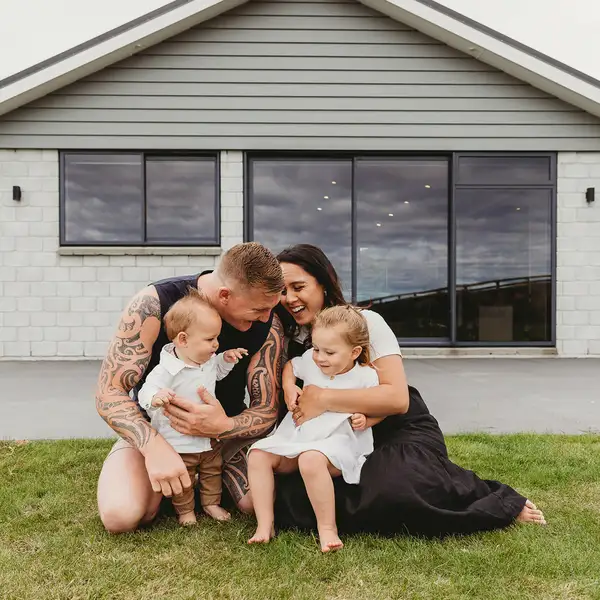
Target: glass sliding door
{"x": 503, "y": 266}
{"x": 402, "y": 243}
{"x": 304, "y": 201}
{"x": 455, "y": 250}
{"x": 503, "y": 208}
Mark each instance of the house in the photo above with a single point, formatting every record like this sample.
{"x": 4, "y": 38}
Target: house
{"x": 449, "y": 172}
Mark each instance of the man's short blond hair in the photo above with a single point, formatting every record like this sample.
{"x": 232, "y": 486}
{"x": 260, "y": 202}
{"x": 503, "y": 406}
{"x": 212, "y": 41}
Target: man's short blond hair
{"x": 186, "y": 312}
{"x": 252, "y": 265}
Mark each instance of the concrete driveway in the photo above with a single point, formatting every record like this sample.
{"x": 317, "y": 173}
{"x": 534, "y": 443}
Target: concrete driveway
{"x": 55, "y": 399}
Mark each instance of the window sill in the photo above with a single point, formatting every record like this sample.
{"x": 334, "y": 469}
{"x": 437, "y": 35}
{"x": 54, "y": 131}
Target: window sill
{"x": 139, "y": 251}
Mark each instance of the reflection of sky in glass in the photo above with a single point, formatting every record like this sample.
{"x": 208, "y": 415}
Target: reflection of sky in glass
{"x": 181, "y": 200}
{"x": 502, "y": 233}
{"x": 305, "y": 201}
{"x": 402, "y": 211}
{"x": 104, "y": 198}
{"x": 504, "y": 170}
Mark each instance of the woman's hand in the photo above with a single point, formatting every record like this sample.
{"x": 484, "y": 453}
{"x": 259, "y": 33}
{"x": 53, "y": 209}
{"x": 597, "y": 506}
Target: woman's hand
{"x": 311, "y": 404}
{"x": 291, "y": 395}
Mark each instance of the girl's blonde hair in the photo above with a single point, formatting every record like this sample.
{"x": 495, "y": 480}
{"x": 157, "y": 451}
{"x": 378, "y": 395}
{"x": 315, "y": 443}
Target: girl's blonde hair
{"x": 356, "y": 330}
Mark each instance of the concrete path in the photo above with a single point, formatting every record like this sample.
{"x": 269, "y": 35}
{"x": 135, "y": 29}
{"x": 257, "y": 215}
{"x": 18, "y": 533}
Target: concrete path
{"x": 53, "y": 400}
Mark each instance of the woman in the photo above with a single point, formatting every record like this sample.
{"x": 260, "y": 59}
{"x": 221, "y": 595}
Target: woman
{"x": 408, "y": 484}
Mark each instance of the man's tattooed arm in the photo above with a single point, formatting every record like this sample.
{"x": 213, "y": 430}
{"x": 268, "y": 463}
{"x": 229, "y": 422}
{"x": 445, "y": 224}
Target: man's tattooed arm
{"x": 264, "y": 383}
{"x": 125, "y": 362}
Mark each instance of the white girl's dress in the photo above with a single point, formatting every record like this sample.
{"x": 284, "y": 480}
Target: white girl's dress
{"x": 330, "y": 433}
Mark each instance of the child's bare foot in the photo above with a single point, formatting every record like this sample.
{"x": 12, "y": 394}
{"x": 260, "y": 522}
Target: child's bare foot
{"x": 187, "y": 519}
{"x": 531, "y": 514}
{"x": 216, "y": 512}
{"x": 262, "y": 536}
{"x": 329, "y": 540}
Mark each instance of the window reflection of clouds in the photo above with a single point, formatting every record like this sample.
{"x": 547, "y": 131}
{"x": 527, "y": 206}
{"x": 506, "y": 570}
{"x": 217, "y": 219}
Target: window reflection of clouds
{"x": 286, "y": 196}
{"x": 409, "y": 252}
{"x": 502, "y": 233}
{"x": 180, "y": 200}
{"x": 103, "y": 200}
{"x": 502, "y": 170}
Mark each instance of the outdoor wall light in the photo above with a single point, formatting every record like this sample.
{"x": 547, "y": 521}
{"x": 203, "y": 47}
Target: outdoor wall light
{"x": 590, "y": 194}
{"x": 17, "y": 193}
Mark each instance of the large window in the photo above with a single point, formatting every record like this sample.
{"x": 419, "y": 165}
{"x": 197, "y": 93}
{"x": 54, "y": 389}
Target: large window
{"x": 450, "y": 250}
{"x": 126, "y": 199}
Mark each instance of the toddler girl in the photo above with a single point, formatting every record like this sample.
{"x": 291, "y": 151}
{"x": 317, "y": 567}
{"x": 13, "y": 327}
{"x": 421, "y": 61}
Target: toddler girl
{"x": 331, "y": 445}
{"x": 189, "y": 362}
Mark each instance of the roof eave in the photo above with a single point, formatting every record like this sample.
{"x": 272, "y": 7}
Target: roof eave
{"x": 144, "y": 33}
{"x": 496, "y": 50}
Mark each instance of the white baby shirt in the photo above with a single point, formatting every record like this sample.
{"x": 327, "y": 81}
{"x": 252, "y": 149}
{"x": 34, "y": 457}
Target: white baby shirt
{"x": 171, "y": 372}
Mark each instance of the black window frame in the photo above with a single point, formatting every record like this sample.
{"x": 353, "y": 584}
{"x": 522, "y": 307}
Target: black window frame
{"x": 144, "y": 156}
{"x": 452, "y": 158}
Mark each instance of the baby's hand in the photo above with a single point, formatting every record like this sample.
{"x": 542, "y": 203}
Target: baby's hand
{"x": 234, "y": 355}
{"x": 358, "y": 421}
{"x": 163, "y": 397}
{"x": 291, "y": 396}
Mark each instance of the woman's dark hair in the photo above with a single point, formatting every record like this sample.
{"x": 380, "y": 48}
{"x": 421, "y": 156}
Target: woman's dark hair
{"x": 312, "y": 260}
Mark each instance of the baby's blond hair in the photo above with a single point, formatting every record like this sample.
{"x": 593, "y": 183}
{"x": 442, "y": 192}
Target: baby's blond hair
{"x": 356, "y": 330}
{"x": 184, "y": 313}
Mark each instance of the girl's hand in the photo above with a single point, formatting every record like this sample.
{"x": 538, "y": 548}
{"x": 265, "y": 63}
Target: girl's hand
{"x": 291, "y": 396}
{"x": 234, "y": 355}
{"x": 358, "y": 422}
{"x": 162, "y": 397}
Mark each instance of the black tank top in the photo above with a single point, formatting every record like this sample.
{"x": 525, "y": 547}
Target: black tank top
{"x": 231, "y": 390}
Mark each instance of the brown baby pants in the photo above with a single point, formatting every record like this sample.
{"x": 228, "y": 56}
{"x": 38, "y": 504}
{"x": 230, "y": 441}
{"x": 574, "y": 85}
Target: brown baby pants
{"x": 209, "y": 465}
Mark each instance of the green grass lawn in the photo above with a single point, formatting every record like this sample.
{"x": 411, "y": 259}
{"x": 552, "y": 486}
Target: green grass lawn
{"x": 53, "y": 546}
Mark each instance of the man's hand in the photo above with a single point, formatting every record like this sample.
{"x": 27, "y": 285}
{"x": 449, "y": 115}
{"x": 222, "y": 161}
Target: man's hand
{"x": 163, "y": 397}
{"x": 291, "y": 395}
{"x": 311, "y": 404}
{"x": 205, "y": 420}
{"x": 234, "y": 355}
{"x": 358, "y": 422}
{"x": 165, "y": 467}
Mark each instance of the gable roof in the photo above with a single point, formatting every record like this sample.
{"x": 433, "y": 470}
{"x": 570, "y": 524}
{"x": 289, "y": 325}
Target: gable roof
{"x": 427, "y": 16}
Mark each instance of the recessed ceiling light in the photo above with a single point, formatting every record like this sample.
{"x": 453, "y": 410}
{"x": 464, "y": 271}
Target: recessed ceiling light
{"x": 378, "y": 224}
{"x": 334, "y": 182}
{"x": 428, "y": 186}
{"x": 390, "y": 214}
{"x": 326, "y": 197}
{"x": 406, "y": 202}
{"x": 518, "y": 208}
{"x": 319, "y": 208}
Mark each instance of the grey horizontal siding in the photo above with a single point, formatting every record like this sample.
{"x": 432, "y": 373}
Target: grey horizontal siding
{"x": 301, "y": 75}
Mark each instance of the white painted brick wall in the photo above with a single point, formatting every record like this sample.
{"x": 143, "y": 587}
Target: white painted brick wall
{"x": 68, "y": 306}
{"x": 578, "y": 255}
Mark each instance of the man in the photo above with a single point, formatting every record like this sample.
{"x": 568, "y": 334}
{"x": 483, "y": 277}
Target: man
{"x": 142, "y": 466}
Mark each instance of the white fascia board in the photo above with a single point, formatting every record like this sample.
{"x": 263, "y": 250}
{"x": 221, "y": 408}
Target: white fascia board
{"x": 112, "y": 50}
{"x": 492, "y": 51}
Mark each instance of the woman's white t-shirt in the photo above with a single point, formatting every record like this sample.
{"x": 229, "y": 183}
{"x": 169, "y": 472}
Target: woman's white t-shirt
{"x": 382, "y": 338}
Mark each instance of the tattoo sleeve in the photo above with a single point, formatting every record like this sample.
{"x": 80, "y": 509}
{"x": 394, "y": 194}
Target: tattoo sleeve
{"x": 126, "y": 361}
{"x": 264, "y": 383}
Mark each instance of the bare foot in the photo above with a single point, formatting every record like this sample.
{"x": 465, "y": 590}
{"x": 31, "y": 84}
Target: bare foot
{"x": 187, "y": 519}
{"x": 329, "y": 540}
{"x": 531, "y": 514}
{"x": 216, "y": 512}
{"x": 262, "y": 536}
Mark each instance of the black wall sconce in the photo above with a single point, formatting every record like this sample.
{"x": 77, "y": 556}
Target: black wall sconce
{"x": 17, "y": 193}
{"x": 590, "y": 195}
